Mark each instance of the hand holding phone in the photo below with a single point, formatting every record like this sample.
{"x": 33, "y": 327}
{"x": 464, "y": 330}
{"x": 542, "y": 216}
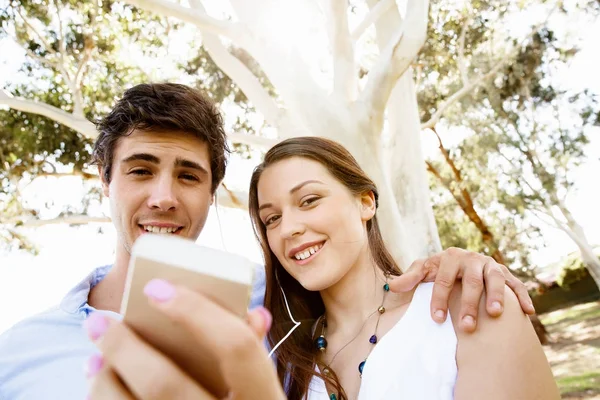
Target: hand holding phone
{"x": 223, "y": 277}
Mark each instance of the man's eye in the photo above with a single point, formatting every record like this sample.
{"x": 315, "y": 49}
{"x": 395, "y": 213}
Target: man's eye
{"x": 190, "y": 177}
{"x": 140, "y": 172}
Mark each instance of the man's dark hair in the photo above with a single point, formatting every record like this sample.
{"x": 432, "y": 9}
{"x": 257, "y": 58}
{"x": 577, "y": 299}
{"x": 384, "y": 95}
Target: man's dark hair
{"x": 156, "y": 107}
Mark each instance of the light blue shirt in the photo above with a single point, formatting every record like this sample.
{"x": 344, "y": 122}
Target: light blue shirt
{"x": 43, "y": 357}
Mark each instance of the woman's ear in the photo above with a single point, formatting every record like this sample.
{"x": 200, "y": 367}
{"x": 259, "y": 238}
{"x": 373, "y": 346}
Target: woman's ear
{"x": 368, "y": 206}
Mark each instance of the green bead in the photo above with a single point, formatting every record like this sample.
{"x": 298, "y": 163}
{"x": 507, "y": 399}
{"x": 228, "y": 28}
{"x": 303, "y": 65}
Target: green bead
{"x": 332, "y": 396}
{"x": 386, "y": 287}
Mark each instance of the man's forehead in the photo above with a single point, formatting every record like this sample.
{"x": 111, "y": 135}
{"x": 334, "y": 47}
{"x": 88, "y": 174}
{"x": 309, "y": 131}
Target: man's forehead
{"x": 169, "y": 145}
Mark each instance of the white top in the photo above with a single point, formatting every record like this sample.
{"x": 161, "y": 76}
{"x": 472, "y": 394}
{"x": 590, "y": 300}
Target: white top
{"x": 416, "y": 359}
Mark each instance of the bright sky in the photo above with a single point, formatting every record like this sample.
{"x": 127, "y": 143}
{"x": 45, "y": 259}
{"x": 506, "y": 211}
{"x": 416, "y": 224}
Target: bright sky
{"x": 30, "y": 284}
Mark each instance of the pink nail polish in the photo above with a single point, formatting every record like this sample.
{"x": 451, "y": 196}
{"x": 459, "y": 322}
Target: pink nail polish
{"x": 96, "y": 325}
{"x": 94, "y": 365}
{"x": 267, "y": 318}
{"x": 159, "y": 290}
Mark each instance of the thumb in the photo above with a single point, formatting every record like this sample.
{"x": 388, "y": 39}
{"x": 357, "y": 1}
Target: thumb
{"x": 260, "y": 320}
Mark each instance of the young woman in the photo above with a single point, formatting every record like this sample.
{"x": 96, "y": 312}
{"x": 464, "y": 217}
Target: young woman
{"x": 315, "y": 215}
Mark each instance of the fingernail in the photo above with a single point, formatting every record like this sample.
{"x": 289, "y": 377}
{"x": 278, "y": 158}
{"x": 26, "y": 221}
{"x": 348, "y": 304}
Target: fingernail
{"x": 159, "y": 290}
{"x": 440, "y": 314}
{"x": 96, "y": 325}
{"x": 496, "y": 306}
{"x": 267, "y": 318}
{"x": 94, "y": 365}
{"x": 468, "y": 320}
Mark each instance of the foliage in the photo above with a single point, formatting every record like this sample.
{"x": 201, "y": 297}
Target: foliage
{"x": 509, "y": 124}
{"x": 573, "y": 270}
{"x": 79, "y": 57}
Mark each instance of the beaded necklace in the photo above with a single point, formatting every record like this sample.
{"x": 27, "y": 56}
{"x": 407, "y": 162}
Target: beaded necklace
{"x": 321, "y": 341}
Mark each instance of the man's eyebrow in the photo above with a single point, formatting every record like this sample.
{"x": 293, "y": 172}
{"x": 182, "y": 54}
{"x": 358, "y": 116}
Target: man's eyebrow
{"x": 142, "y": 157}
{"x": 183, "y": 163}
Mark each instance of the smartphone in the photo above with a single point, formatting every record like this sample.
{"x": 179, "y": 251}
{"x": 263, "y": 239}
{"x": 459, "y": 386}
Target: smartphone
{"x": 223, "y": 277}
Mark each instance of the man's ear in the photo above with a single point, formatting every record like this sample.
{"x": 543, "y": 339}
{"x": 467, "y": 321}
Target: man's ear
{"x": 368, "y": 206}
{"x": 104, "y": 182}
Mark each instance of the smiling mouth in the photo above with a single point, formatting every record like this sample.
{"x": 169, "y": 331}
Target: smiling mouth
{"x": 171, "y": 230}
{"x": 308, "y": 254}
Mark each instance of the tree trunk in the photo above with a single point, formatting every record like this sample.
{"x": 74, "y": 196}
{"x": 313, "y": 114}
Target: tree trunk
{"x": 406, "y": 167}
{"x": 465, "y": 202}
{"x": 403, "y": 158}
{"x": 540, "y": 329}
{"x": 589, "y": 258}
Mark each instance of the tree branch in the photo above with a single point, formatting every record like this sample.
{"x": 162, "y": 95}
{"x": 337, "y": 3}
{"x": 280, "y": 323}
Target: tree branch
{"x": 79, "y": 124}
{"x": 395, "y": 59}
{"x": 252, "y": 140}
{"x": 71, "y": 220}
{"x": 461, "y": 53}
{"x": 465, "y": 90}
{"x": 202, "y": 20}
{"x": 376, "y": 12}
{"x": 226, "y": 198}
{"x": 61, "y": 37}
{"x": 29, "y": 25}
{"x": 241, "y": 75}
{"x": 482, "y": 79}
{"x": 344, "y": 74}
{"x": 232, "y": 199}
{"x": 88, "y": 129}
{"x": 447, "y": 184}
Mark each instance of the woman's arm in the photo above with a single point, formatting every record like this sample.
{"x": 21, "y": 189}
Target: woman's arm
{"x": 503, "y": 358}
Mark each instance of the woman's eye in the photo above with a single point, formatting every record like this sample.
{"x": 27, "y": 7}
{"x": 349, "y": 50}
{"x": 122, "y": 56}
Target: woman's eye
{"x": 309, "y": 201}
{"x": 271, "y": 220}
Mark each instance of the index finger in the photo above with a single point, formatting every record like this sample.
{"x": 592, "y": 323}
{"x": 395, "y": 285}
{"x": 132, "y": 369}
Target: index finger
{"x": 444, "y": 282}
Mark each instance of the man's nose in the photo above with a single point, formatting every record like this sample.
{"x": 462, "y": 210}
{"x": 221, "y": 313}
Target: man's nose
{"x": 163, "y": 196}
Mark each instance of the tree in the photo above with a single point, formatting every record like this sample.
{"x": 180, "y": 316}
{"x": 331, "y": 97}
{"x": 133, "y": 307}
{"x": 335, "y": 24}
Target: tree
{"x": 341, "y": 106}
{"x": 537, "y": 137}
{"x": 75, "y": 68}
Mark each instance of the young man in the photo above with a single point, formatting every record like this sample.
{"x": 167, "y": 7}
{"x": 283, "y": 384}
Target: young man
{"x": 162, "y": 152}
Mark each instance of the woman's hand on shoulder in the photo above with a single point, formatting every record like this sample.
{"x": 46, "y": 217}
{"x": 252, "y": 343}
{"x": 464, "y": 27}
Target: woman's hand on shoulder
{"x": 502, "y": 358}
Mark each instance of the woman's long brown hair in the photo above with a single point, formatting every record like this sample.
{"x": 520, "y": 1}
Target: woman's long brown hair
{"x": 297, "y": 356}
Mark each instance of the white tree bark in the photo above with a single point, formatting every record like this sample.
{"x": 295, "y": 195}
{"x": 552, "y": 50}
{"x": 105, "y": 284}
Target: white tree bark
{"x": 79, "y": 124}
{"x": 403, "y": 156}
{"x": 87, "y": 129}
{"x": 333, "y": 109}
{"x": 576, "y": 233}
{"x": 332, "y": 112}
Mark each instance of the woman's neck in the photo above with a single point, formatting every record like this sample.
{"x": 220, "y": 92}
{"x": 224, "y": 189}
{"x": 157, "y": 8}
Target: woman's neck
{"x": 355, "y": 297}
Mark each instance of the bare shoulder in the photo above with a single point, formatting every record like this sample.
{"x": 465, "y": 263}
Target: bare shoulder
{"x": 503, "y": 358}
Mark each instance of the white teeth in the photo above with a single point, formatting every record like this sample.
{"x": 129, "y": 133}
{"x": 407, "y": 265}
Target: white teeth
{"x": 157, "y": 229}
{"x": 303, "y": 255}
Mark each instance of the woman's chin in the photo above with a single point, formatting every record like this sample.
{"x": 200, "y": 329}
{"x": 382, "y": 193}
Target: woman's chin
{"x": 316, "y": 284}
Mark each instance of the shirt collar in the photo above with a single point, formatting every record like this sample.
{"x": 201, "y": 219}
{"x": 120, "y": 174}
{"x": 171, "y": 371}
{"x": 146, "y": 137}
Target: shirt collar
{"x": 76, "y": 300}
